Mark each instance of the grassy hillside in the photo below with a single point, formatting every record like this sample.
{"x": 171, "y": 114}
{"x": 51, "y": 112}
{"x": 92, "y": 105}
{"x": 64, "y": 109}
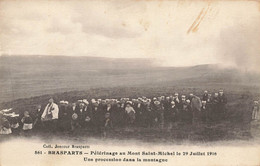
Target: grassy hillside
{"x": 29, "y": 76}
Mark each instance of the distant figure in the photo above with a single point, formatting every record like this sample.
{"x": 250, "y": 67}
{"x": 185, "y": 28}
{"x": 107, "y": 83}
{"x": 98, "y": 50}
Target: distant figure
{"x": 159, "y": 114}
{"x": 5, "y": 127}
{"x": 108, "y": 117}
{"x": 81, "y": 115}
{"x": 148, "y": 114}
{"x": 139, "y": 108}
{"x": 50, "y": 115}
{"x": 73, "y": 117}
{"x": 172, "y": 115}
{"x": 182, "y": 102}
{"x": 205, "y": 96}
{"x": 130, "y": 114}
{"x": 176, "y": 100}
{"x": 215, "y": 113}
{"x": 88, "y": 113}
{"x": 255, "y": 109}
{"x": 118, "y": 115}
{"x": 98, "y": 118}
{"x": 222, "y": 104}
{"x": 186, "y": 113}
{"x": 204, "y": 111}
{"x": 64, "y": 118}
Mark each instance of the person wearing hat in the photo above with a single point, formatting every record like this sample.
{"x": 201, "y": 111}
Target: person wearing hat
{"x": 50, "y": 115}
{"x": 255, "y": 111}
{"x": 64, "y": 118}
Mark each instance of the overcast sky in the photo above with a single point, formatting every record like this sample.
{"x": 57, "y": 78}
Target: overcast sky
{"x": 174, "y": 33}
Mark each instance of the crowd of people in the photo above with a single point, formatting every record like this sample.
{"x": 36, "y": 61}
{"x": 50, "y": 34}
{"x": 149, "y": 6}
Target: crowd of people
{"x": 103, "y": 114}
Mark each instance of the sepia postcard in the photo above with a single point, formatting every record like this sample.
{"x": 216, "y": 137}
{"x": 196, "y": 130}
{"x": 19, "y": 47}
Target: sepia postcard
{"x": 129, "y": 82}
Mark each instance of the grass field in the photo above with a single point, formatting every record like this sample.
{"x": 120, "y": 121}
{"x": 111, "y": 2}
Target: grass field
{"x": 236, "y": 126}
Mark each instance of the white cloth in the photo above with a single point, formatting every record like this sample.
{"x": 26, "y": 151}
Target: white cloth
{"x": 27, "y": 126}
{"x": 51, "y": 108}
{"x": 129, "y": 109}
{"x": 15, "y": 126}
{"x": 5, "y": 130}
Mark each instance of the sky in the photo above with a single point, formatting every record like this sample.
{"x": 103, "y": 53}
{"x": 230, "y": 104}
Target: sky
{"x": 173, "y": 33}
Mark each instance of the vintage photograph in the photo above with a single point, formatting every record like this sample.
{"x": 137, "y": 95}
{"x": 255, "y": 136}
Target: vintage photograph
{"x": 170, "y": 77}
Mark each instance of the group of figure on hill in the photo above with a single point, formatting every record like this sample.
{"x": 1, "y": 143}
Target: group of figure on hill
{"x": 104, "y": 114}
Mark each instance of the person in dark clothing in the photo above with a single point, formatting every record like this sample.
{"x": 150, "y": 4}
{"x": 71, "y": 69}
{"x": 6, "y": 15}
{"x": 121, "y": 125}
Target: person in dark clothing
{"x": 214, "y": 113}
{"x": 182, "y": 102}
{"x": 37, "y": 123}
{"x": 205, "y": 96}
{"x": 186, "y": 113}
{"x": 88, "y": 115}
{"x": 64, "y": 118}
{"x": 222, "y": 104}
{"x": 159, "y": 114}
{"x": 118, "y": 114}
{"x": 172, "y": 114}
{"x": 81, "y": 115}
{"x": 148, "y": 115}
{"x": 73, "y": 117}
{"x": 27, "y": 122}
{"x": 204, "y": 112}
{"x": 108, "y": 116}
{"x": 177, "y": 100}
{"x": 167, "y": 103}
{"x": 139, "y": 108}
{"x": 98, "y": 118}
{"x": 14, "y": 123}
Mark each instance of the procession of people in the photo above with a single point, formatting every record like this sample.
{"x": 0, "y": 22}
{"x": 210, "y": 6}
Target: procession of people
{"x": 100, "y": 115}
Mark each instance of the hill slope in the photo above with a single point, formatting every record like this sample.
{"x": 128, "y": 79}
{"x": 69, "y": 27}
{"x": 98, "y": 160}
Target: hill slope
{"x": 27, "y": 76}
